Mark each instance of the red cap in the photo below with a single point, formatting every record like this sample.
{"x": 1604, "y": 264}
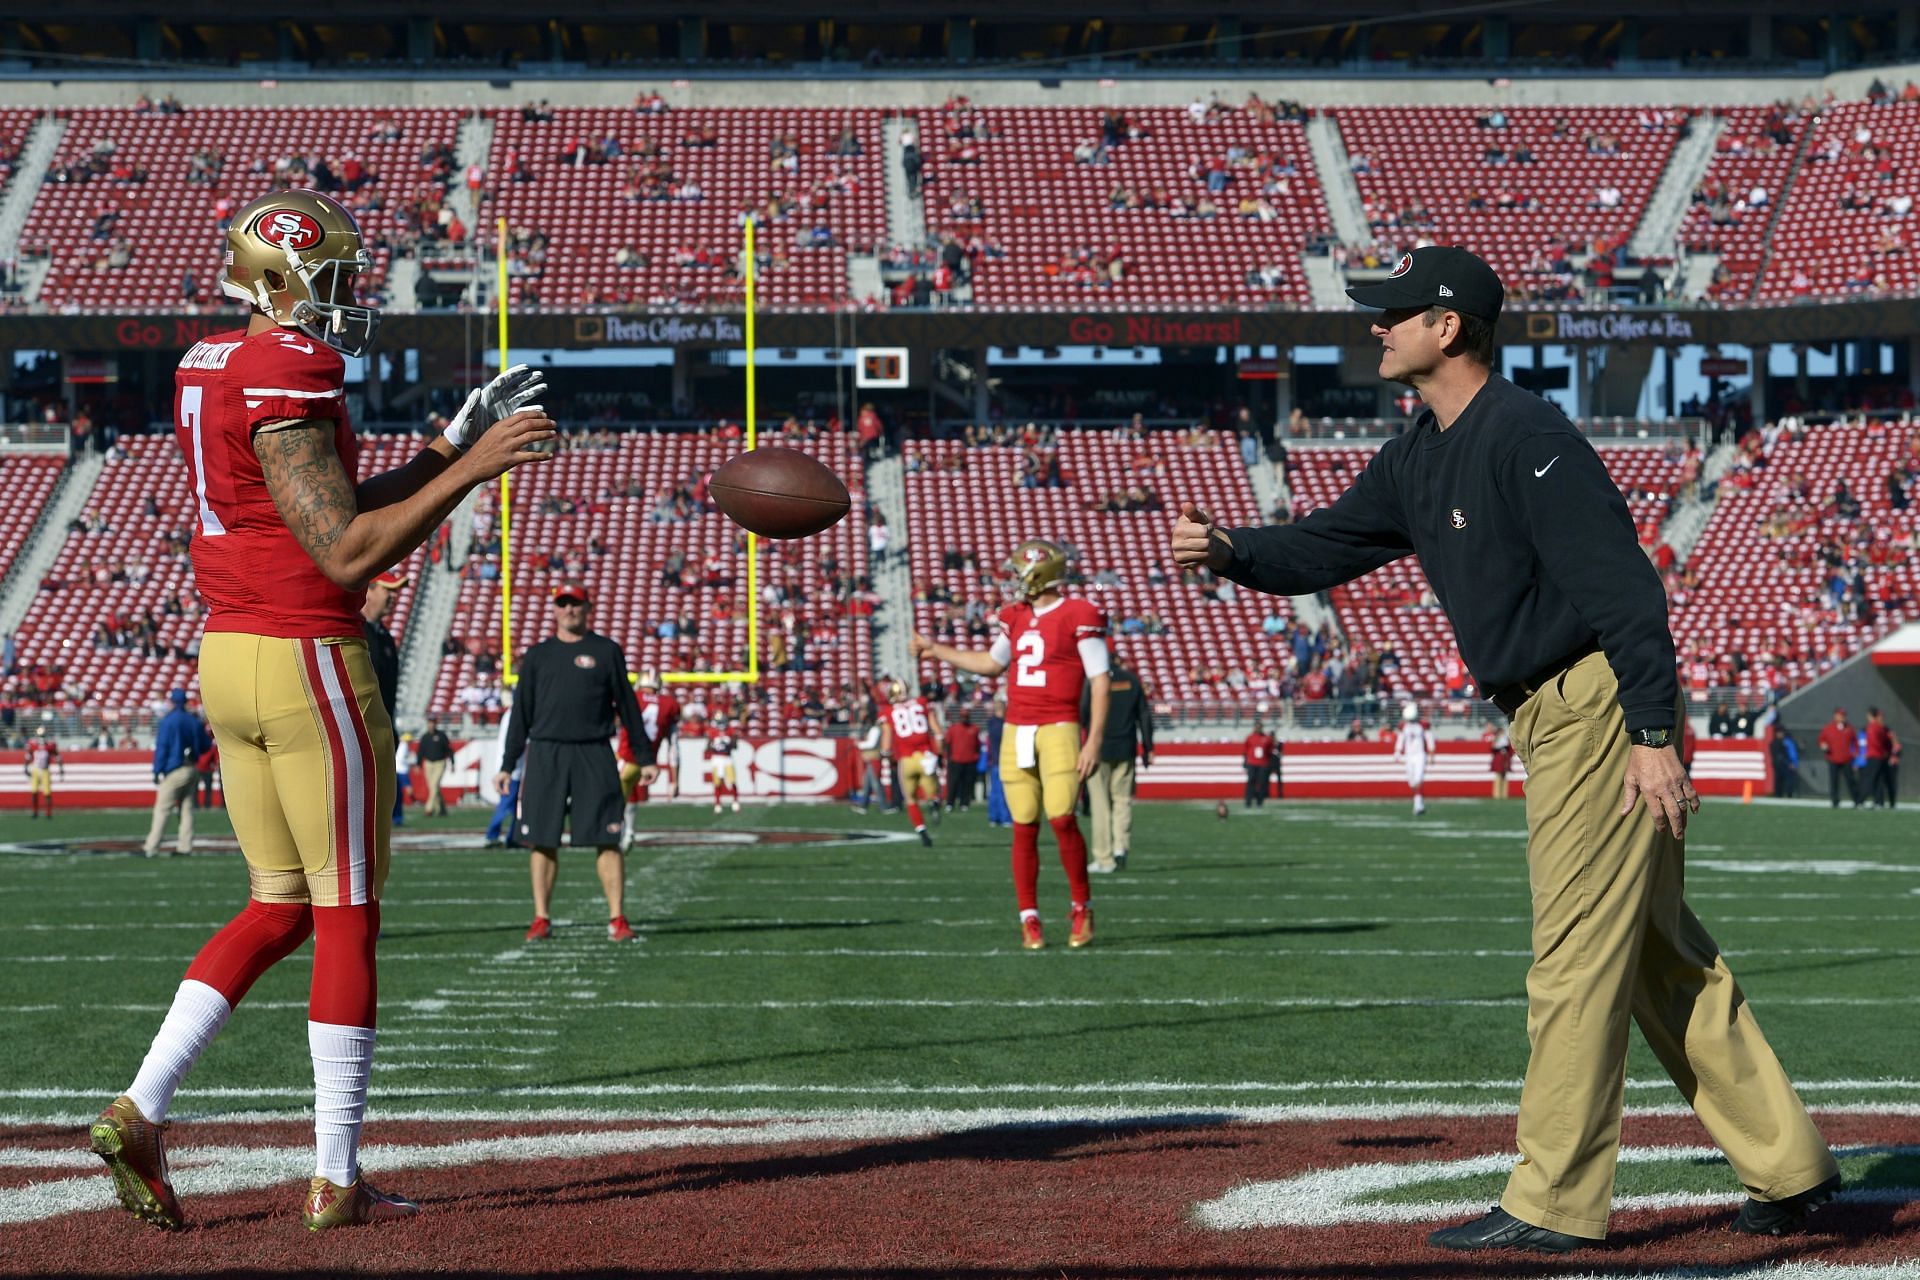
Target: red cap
{"x": 392, "y": 580}
{"x": 575, "y": 589}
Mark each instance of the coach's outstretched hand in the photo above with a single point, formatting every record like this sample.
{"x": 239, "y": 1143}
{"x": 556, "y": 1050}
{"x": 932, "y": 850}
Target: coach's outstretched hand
{"x": 515, "y": 441}
{"x": 1196, "y": 541}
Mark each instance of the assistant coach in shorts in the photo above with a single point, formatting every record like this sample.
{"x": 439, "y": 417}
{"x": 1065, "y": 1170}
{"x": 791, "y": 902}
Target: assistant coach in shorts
{"x": 571, "y": 689}
{"x": 1532, "y": 553}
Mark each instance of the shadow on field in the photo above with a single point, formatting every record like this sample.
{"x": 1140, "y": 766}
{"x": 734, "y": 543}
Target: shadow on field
{"x": 990, "y": 1144}
{"x": 1262, "y": 931}
{"x": 696, "y": 927}
{"x": 1183, "y": 1020}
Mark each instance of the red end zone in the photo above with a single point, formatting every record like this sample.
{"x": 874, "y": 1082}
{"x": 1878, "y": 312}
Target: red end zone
{"x": 899, "y": 1198}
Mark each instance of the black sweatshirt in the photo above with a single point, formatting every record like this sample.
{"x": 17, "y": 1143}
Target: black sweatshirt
{"x": 1526, "y": 540}
{"x": 571, "y": 693}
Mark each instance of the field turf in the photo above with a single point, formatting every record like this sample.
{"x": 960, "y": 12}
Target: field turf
{"x": 1310, "y": 963}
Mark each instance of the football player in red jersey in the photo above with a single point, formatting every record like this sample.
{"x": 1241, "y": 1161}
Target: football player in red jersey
{"x": 660, "y": 715}
{"x": 720, "y": 767}
{"x": 909, "y": 728}
{"x": 284, "y": 546}
{"x": 1056, "y": 647}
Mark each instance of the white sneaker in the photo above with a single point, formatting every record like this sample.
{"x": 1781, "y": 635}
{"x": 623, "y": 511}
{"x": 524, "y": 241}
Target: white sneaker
{"x": 736, "y": 806}
{"x": 1097, "y": 869}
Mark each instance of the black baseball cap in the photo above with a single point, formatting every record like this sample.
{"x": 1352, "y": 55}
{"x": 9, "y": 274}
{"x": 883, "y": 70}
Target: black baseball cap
{"x": 1437, "y": 276}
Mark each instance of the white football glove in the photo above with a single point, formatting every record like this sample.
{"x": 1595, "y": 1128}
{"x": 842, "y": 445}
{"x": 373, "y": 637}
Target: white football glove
{"x": 513, "y": 390}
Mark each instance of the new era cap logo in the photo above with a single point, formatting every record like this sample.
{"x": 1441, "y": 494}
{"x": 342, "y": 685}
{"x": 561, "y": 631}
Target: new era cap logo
{"x": 1445, "y": 292}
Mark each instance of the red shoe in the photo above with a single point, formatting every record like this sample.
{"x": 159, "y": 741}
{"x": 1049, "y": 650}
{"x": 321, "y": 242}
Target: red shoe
{"x": 1030, "y": 935}
{"x": 619, "y": 930}
{"x": 1082, "y": 931}
{"x": 540, "y": 928}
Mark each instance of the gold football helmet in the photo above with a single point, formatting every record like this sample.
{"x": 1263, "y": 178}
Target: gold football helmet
{"x": 1037, "y": 566}
{"x": 294, "y": 255}
{"x": 645, "y": 678}
{"x": 896, "y": 691}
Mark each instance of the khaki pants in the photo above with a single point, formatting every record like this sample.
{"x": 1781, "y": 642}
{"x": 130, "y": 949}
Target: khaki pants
{"x": 435, "y": 770}
{"x": 1111, "y": 790}
{"x": 1612, "y": 936}
{"x": 175, "y": 792}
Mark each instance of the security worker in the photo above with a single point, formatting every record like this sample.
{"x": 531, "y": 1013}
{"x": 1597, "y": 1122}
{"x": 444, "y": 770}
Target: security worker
{"x": 572, "y": 688}
{"x": 1531, "y": 551}
{"x": 1111, "y": 786}
{"x": 381, "y": 646}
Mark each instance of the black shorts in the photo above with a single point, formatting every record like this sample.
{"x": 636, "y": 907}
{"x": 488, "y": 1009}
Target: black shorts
{"x": 570, "y": 777}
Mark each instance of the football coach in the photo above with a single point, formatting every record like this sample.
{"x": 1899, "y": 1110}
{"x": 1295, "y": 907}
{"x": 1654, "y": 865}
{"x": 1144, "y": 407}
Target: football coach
{"x": 1563, "y": 622}
{"x": 573, "y": 686}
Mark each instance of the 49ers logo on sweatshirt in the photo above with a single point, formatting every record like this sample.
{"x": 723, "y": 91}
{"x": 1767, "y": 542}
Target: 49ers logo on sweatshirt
{"x": 584, "y": 661}
{"x": 288, "y": 229}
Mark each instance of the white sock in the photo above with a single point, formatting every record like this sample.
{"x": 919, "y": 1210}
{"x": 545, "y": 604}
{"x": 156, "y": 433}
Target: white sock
{"x": 342, "y": 1057}
{"x": 632, "y": 810}
{"x": 1029, "y": 914}
{"x": 196, "y": 1017}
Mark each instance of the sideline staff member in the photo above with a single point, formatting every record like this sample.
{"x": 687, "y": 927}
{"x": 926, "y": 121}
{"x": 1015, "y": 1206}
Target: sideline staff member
{"x": 1531, "y": 551}
{"x": 571, "y": 688}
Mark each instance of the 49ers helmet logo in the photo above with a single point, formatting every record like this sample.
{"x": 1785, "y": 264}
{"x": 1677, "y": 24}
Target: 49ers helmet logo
{"x": 1401, "y": 267}
{"x": 288, "y": 229}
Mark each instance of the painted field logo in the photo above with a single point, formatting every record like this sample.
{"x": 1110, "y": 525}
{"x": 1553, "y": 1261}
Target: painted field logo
{"x": 1438, "y": 1190}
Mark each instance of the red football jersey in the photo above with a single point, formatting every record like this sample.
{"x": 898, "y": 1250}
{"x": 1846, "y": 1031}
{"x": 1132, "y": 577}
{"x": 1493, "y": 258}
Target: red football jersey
{"x": 42, "y": 753}
{"x": 660, "y": 714}
{"x": 252, "y": 573}
{"x": 1045, "y": 676}
{"x": 912, "y": 727}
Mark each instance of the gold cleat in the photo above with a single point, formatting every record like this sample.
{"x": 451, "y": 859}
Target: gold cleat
{"x": 1030, "y": 935}
{"x": 1082, "y": 931}
{"x": 331, "y": 1205}
{"x": 135, "y": 1150}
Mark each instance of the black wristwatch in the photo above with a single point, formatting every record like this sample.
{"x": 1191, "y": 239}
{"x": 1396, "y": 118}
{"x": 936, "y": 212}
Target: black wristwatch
{"x": 1651, "y": 737}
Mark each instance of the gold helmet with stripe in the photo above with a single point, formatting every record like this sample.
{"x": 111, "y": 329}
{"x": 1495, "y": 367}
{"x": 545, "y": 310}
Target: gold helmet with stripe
{"x": 896, "y": 691}
{"x": 293, "y": 255}
{"x": 1037, "y": 567}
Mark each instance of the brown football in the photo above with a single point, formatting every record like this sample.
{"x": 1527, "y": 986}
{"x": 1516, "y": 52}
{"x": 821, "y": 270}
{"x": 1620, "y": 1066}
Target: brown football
{"x": 779, "y": 493}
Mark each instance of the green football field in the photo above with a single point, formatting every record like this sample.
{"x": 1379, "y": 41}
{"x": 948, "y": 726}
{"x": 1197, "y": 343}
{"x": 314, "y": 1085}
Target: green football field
{"x": 1341, "y": 955}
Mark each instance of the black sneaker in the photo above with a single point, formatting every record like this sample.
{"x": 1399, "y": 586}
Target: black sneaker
{"x": 1501, "y": 1230}
{"x": 1784, "y": 1217}
{"x": 926, "y": 839}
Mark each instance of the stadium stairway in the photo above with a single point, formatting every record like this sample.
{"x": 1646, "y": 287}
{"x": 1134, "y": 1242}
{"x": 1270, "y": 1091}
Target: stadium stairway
{"x": 1779, "y": 208}
{"x": 36, "y": 154}
{"x": 1331, "y": 162}
{"x": 892, "y": 579}
{"x": 436, "y": 599}
{"x": 1661, "y": 218}
{"x": 48, "y": 536}
{"x": 1688, "y": 519}
{"x": 906, "y": 212}
{"x": 1272, "y": 497}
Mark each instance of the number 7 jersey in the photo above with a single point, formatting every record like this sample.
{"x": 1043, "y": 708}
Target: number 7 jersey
{"x": 1045, "y": 671}
{"x": 253, "y": 574}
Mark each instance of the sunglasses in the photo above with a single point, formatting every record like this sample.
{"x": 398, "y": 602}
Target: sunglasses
{"x": 569, "y": 602}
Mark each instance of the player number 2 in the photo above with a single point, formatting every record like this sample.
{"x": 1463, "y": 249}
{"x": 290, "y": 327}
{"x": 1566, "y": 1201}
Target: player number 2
{"x": 1028, "y": 672}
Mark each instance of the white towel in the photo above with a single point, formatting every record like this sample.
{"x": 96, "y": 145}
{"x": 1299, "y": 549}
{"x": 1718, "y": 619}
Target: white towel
{"x": 1024, "y": 753}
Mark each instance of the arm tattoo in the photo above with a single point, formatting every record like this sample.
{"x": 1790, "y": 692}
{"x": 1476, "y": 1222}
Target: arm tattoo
{"x": 309, "y": 485}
